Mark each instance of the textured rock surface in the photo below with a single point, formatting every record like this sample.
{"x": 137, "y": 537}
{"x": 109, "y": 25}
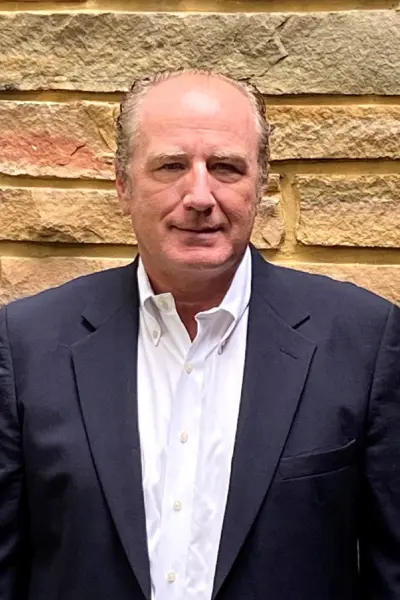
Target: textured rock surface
{"x": 340, "y": 52}
{"x": 26, "y": 276}
{"x": 56, "y": 139}
{"x": 269, "y": 225}
{"x": 93, "y": 216}
{"x": 320, "y": 132}
{"x": 55, "y": 215}
{"x": 381, "y": 279}
{"x": 77, "y": 140}
{"x": 349, "y": 211}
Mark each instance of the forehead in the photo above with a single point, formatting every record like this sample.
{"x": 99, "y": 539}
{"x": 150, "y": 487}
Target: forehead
{"x": 189, "y": 110}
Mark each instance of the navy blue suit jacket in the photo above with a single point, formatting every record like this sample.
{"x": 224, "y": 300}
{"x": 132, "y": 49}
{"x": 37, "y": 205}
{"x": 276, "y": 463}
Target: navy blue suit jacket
{"x": 316, "y": 465}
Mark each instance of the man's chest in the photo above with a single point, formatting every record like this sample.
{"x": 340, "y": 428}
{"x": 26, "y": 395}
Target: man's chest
{"x": 188, "y": 406}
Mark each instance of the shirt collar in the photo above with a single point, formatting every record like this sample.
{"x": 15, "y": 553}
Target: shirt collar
{"x": 234, "y": 303}
{"x": 237, "y": 297}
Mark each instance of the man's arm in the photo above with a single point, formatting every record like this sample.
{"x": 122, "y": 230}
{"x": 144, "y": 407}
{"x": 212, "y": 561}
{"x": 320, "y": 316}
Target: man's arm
{"x": 13, "y": 546}
{"x": 380, "y": 497}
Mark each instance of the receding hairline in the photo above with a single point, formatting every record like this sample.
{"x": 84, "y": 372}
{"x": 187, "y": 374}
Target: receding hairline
{"x": 196, "y": 83}
{"x": 200, "y": 76}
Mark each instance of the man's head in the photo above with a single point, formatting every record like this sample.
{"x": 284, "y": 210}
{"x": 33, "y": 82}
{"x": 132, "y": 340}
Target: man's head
{"x": 191, "y": 164}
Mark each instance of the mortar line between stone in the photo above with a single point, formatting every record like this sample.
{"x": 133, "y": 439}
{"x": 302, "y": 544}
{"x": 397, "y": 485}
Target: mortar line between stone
{"x": 193, "y": 6}
{"x": 71, "y": 96}
{"x": 332, "y": 166}
{"x": 16, "y": 181}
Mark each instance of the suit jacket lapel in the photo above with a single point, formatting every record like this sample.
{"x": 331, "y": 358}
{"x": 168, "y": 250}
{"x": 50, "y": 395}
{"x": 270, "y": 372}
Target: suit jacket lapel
{"x": 277, "y": 362}
{"x": 105, "y": 367}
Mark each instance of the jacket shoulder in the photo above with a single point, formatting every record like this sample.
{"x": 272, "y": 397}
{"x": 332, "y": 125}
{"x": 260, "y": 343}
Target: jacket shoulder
{"x": 66, "y": 302}
{"x": 325, "y": 296}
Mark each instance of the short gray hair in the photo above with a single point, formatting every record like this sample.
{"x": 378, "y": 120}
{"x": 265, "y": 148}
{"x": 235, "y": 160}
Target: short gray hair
{"x": 127, "y": 123}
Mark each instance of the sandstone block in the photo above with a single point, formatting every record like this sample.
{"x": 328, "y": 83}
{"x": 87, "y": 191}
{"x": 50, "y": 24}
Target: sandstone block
{"x": 269, "y": 225}
{"x": 21, "y": 277}
{"x": 353, "y": 52}
{"x": 383, "y": 280}
{"x": 57, "y": 140}
{"x": 57, "y": 215}
{"x": 320, "y": 132}
{"x": 349, "y": 211}
{"x": 94, "y": 217}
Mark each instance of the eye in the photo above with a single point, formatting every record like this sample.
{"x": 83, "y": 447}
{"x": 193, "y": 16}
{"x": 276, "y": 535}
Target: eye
{"x": 226, "y": 172}
{"x": 175, "y": 166}
{"x": 228, "y": 167}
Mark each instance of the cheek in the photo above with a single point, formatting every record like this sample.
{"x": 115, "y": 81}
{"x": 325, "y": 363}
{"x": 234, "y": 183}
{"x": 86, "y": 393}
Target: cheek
{"x": 240, "y": 210}
{"x": 141, "y": 216}
{"x": 148, "y": 210}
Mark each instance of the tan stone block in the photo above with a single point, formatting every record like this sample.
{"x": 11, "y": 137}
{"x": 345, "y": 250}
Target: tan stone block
{"x": 349, "y": 211}
{"x": 74, "y": 140}
{"x": 353, "y": 52}
{"x": 56, "y": 215}
{"x": 383, "y": 280}
{"x": 21, "y": 277}
{"x": 269, "y": 225}
{"x": 320, "y": 132}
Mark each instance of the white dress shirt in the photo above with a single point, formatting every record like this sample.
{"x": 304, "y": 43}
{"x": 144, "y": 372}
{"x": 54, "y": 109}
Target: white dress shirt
{"x": 188, "y": 405}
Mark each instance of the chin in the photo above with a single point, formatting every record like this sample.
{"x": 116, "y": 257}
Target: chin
{"x": 204, "y": 258}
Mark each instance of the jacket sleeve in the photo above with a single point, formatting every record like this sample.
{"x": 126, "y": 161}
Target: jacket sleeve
{"x": 14, "y": 558}
{"x": 380, "y": 495}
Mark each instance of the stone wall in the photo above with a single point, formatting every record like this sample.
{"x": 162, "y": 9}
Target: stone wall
{"x": 329, "y": 70}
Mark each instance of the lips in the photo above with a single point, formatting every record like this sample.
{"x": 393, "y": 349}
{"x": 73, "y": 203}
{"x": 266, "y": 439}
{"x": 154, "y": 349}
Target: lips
{"x": 207, "y": 230}
{"x": 202, "y": 230}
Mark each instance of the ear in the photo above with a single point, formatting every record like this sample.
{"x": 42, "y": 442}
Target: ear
{"x": 123, "y": 191}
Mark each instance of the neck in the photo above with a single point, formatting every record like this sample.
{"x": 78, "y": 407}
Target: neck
{"x": 193, "y": 292}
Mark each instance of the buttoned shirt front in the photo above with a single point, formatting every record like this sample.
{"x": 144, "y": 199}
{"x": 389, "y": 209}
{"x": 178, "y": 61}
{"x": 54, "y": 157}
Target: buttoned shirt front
{"x": 188, "y": 406}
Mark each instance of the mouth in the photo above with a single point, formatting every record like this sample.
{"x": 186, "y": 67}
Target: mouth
{"x": 203, "y": 230}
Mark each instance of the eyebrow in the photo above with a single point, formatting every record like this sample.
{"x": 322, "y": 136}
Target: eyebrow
{"x": 157, "y": 157}
{"x": 228, "y": 155}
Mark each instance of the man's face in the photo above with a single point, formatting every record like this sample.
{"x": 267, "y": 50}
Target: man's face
{"x": 194, "y": 174}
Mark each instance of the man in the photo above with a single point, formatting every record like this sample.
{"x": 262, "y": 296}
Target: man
{"x": 200, "y": 424}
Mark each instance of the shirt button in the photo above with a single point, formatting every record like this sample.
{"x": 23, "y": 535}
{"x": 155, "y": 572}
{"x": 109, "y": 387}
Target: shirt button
{"x": 171, "y": 577}
{"x": 188, "y": 368}
{"x": 177, "y": 506}
{"x": 164, "y": 304}
{"x": 184, "y": 437}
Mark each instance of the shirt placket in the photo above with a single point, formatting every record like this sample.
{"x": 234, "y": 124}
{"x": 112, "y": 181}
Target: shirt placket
{"x": 180, "y": 475}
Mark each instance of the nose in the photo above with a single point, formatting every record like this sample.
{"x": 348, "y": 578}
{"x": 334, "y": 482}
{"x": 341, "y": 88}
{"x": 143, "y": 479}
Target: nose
{"x": 199, "y": 196}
